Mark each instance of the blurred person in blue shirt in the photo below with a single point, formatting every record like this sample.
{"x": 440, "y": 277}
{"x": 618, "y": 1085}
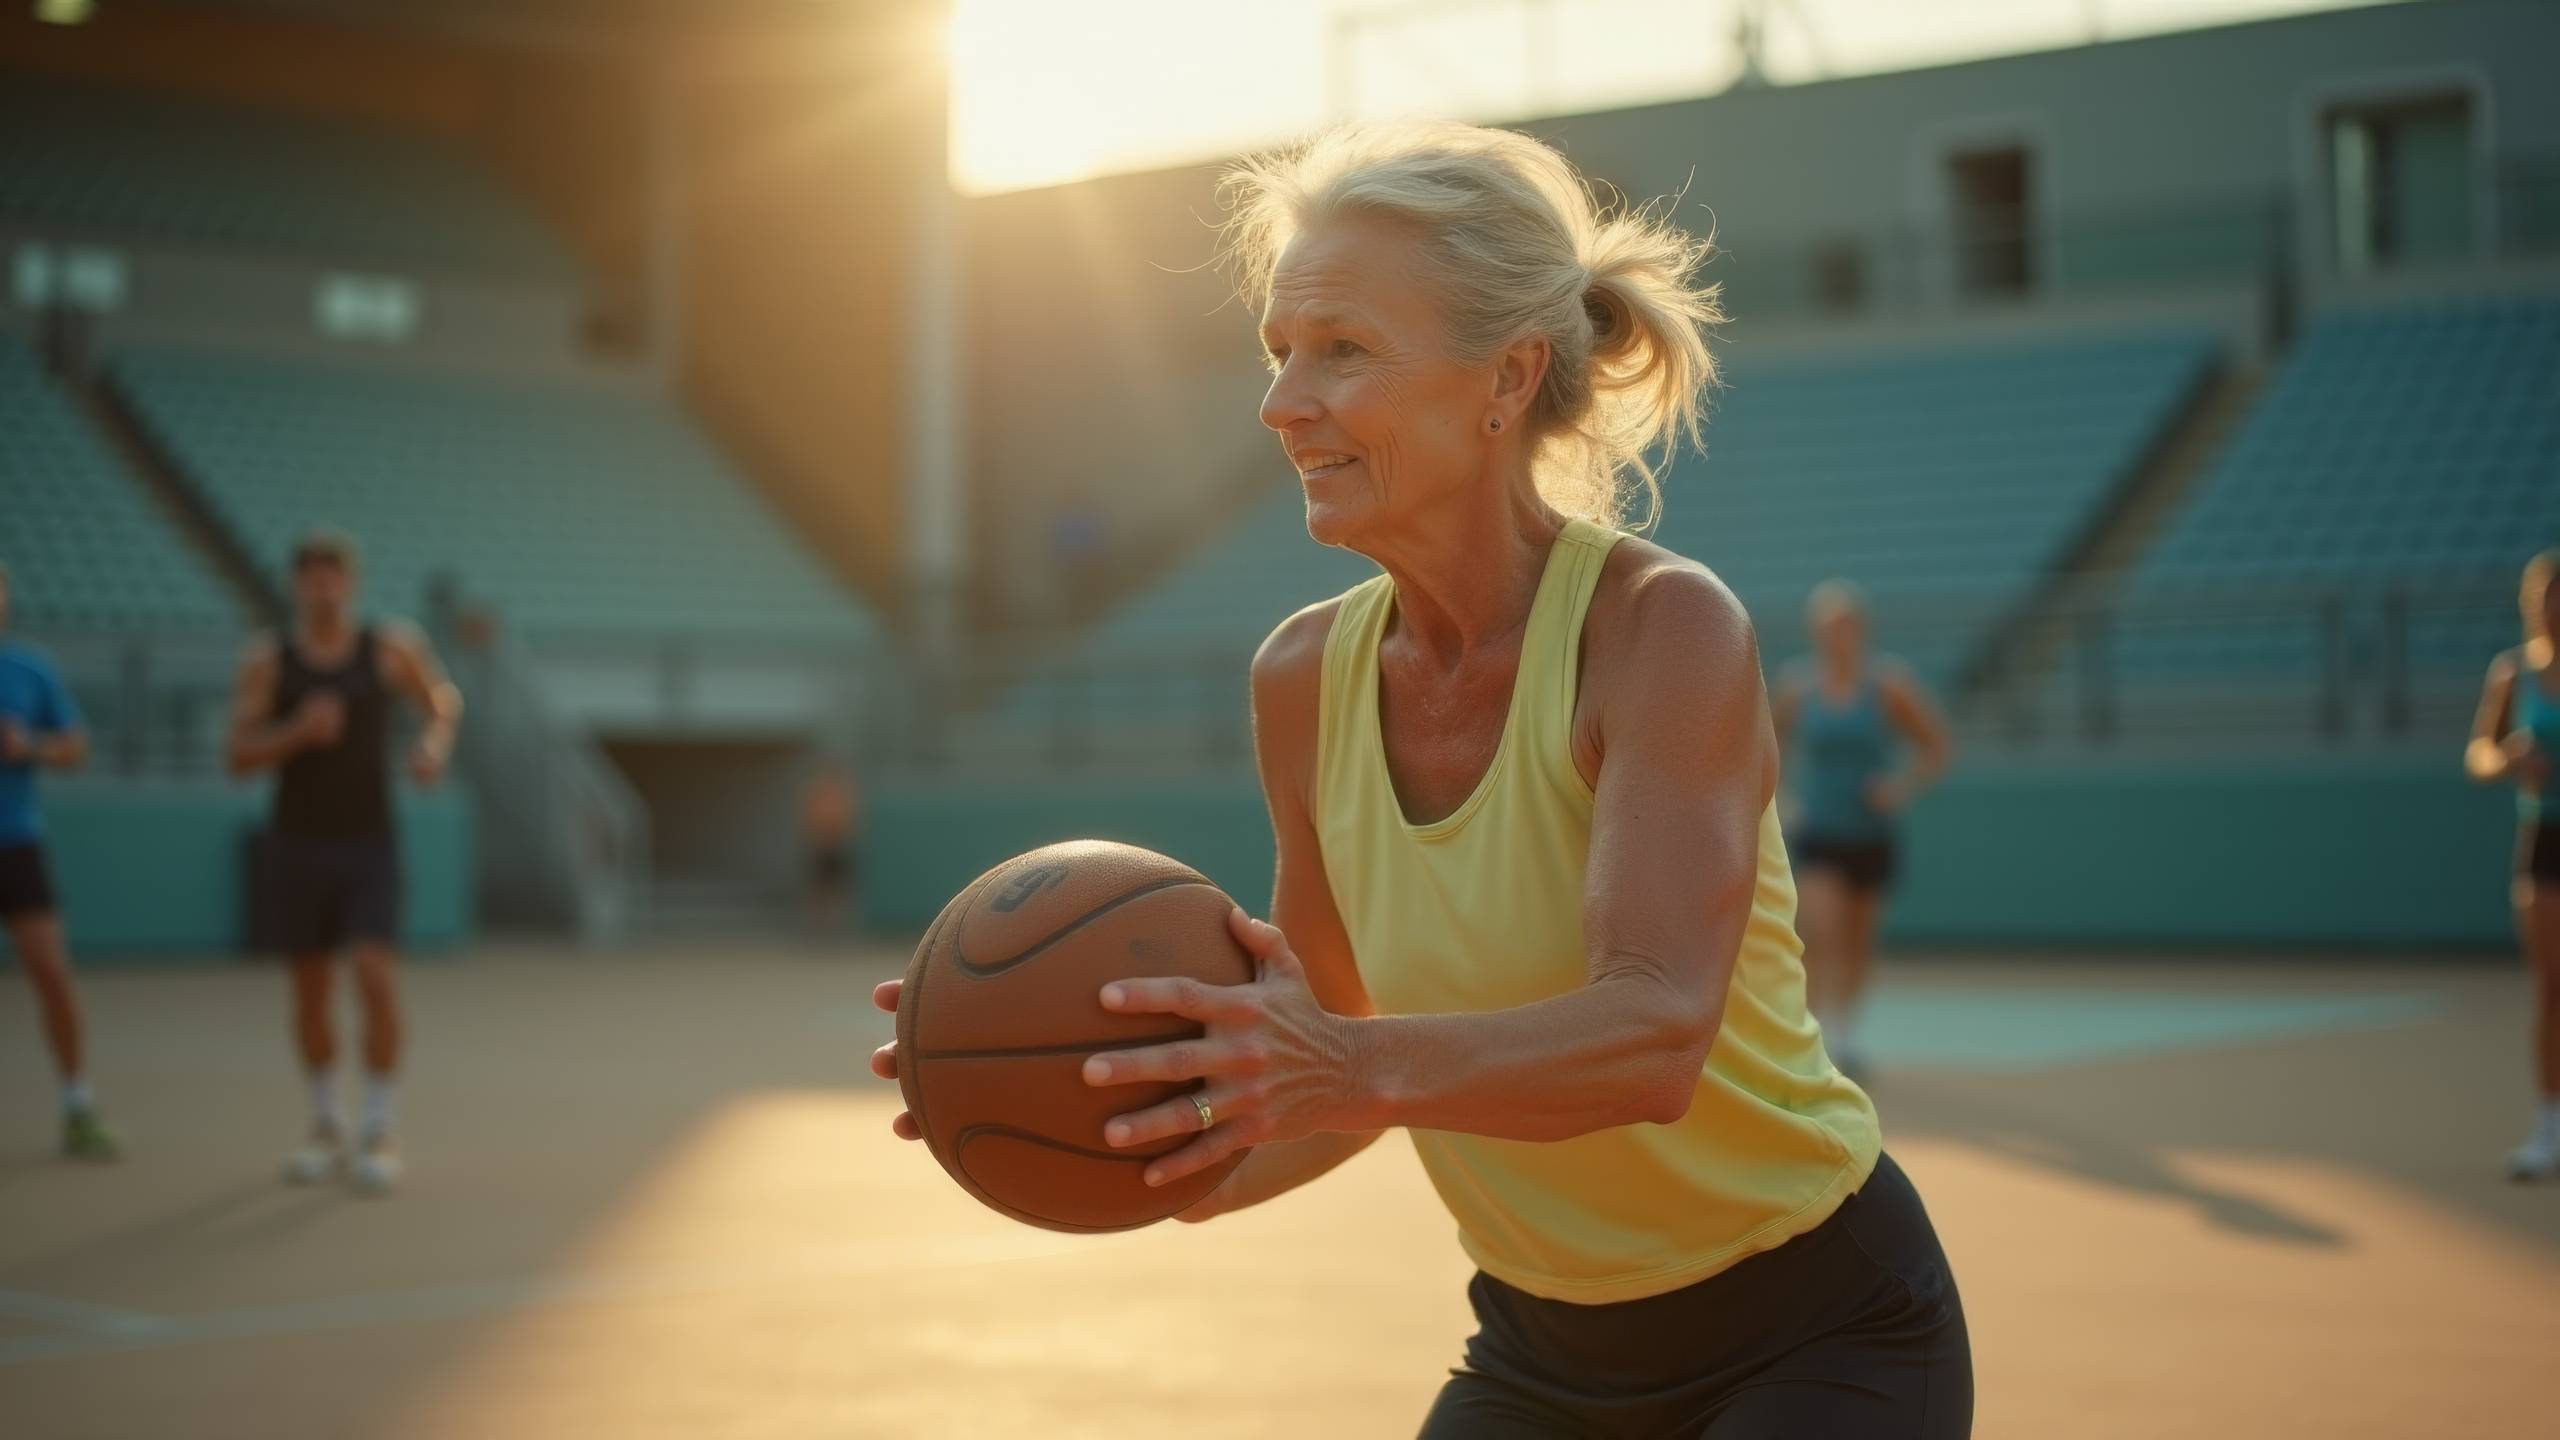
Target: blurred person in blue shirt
{"x": 40, "y": 728}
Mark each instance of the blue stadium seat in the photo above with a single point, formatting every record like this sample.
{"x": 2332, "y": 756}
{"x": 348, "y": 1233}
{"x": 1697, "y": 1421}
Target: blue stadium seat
{"x": 1950, "y": 472}
{"x": 83, "y": 544}
{"x": 147, "y": 164}
{"x": 1949, "y": 476}
{"x": 2396, "y": 444}
{"x": 573, "y": 508}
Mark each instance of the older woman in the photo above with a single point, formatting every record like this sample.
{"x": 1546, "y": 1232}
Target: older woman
{"x": 1532, "y": 905}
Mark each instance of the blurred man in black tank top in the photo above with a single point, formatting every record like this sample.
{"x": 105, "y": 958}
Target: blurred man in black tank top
{"x": 315, "y": 706}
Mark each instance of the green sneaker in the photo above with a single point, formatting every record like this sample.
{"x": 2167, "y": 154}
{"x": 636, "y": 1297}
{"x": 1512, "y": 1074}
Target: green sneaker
{"x": 86, "y": 1137}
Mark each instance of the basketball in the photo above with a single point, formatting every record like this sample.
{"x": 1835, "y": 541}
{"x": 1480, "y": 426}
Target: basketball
{"x": 1002, "y": 1007}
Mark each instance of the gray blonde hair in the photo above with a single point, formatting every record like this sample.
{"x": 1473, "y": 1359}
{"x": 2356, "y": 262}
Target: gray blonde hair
{"x": 1516, "y": 247}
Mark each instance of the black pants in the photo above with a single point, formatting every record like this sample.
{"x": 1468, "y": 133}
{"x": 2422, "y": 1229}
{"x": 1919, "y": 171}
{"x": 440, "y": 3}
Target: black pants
{"x": 1852, "y": 1329}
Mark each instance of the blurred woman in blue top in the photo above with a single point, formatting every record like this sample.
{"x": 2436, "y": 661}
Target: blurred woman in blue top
{"x": 1845, "y": 717}
{"x": 2516, "y": 738}
{"x": 40, "y": 727}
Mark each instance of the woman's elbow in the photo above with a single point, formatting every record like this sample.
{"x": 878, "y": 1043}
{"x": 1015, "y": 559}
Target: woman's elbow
{"x": 1681, "y": 1056}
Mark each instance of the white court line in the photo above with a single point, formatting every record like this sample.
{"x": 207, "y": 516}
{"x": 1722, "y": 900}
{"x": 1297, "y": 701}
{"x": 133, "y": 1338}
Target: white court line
{"x": 444, "y": 1302}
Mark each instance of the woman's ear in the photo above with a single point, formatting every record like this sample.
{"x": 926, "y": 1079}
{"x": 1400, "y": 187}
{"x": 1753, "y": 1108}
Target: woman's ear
{"x": 1518, "y": 373}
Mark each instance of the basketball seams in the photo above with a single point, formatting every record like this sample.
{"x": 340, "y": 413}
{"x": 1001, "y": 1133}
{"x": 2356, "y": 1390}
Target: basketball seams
{"x": 959, "y": 1172}
{"x": 944, "y": 945}
{"x": 1045, "y": 1142}
{"x": 1076, "y": 1047}
{"x": 959, "y": 955}
{"x": 911, "y": 1008}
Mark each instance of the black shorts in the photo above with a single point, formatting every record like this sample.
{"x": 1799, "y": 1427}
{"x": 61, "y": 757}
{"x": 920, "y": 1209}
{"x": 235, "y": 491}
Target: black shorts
{"x": 1867, "y": 865}
{"x": 2538, "y": 852}
{"x": 26, "y": 882}
{"x": 325, "y": 891}
{"x": 1853, "y": 1328}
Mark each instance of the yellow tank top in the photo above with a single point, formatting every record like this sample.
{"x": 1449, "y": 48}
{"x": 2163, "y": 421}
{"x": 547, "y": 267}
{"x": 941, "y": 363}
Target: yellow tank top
{"x": 1483, "y": 911}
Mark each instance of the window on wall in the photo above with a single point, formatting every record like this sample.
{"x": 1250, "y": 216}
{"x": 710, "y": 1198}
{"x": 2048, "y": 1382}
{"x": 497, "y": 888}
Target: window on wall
{"x": 2400, "y": 181}
{"x": 1991, "y": 200}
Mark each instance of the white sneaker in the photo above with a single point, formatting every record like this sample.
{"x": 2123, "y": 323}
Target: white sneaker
{"x": 377, "y": 1165}
{"x": 2538, "y": 1158}
{"x": 320, "y": 1158}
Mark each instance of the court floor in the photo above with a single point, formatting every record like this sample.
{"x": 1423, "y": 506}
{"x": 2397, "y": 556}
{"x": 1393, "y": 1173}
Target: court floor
{"x": 654, "y": 1194}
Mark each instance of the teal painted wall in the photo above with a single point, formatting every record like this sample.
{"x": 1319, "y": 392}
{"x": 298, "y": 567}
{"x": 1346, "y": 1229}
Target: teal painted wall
{"x": 2400, "y": 854}
{"x": 2189, "y": 854}
{"x": 154, "y": 866}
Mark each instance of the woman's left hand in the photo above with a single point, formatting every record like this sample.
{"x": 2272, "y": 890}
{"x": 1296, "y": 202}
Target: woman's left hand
{"x": 1278, "y": 1065}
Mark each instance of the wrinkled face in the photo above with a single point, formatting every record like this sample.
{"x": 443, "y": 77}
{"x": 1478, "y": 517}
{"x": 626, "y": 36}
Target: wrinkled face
{"x": 1380, "y": 423}
{"x": 323, "y": 588}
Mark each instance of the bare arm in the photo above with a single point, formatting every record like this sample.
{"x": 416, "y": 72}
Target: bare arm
{"x": 1908, "y": 706}
{"x": 1686, "y": 765}
{"x": 1784, "y": 701}
{"x": 57, "y": 741}
{"x": 2493, "y": 754}
{"x": 412, "y": 670}
{"x": 62, "y": 749}
{"x": 255, "y": 742}
{"x": 1287, "y": 685}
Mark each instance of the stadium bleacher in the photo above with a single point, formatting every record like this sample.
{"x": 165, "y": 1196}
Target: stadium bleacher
{"x": 1239, "y": 584}
{"x": 2404, "y": 444}
{"x": 1955, "y": 474}
{"x": 1166, "y": 667}
{"x": 156, "y": 166}
{"x": 83, "y": 544}
{"x": 575, "y": 509}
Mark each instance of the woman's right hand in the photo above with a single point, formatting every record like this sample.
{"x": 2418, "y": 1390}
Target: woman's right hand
{"x": 884, "y": 1061}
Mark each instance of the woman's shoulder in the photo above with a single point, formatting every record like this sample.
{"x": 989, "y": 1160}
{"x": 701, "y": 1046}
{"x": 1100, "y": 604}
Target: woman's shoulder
{"x": 1291, "y": 658}
{"x": 1664, "y": 632}
{"x": 1653, "y": 598}
{"x": 1288, "y": 692}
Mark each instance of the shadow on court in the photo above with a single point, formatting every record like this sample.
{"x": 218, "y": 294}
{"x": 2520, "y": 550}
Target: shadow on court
{"x": 2085, "y": 1154}
{"x": 653, "y": 1195}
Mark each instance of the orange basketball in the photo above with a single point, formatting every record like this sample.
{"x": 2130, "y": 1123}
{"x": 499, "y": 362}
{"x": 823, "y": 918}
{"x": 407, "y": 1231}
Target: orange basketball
{"x": 1002, "y": 1005}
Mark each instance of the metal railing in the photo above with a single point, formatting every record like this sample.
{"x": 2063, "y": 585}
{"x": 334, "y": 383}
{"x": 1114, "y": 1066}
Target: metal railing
{"x": 562, "y": 842}
{"x": 565, "y": 840}
{"x": 563, "y": 837}
{"x": 156, "y": 703}
{"x": 2345, "y": 663}
{"x": 2349, "y": 662}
